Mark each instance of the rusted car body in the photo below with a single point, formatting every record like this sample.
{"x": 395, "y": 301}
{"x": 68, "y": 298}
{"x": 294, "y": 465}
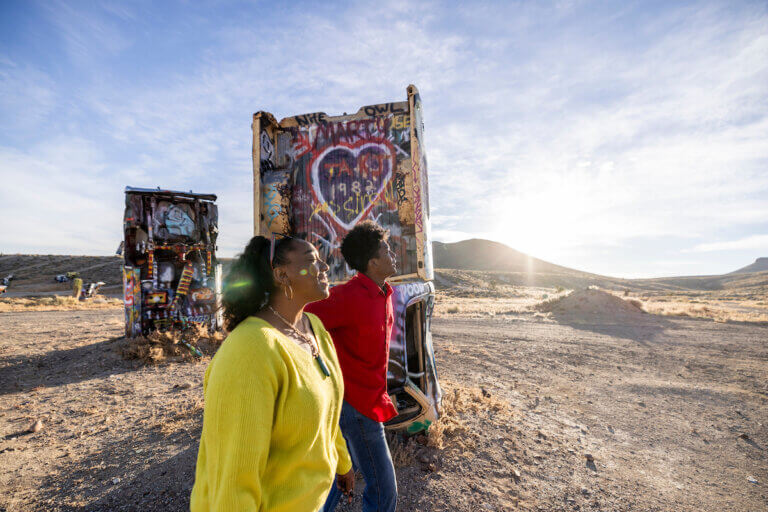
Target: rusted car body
{"x": 171, "y": 277}
{"x": 317, "y": 176}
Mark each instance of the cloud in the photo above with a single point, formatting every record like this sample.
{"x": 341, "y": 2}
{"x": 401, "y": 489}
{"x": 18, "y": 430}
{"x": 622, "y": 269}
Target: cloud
{"x": 27, "y": 96}
{"x": 89, "y": 34}
{"x": 192, "y": 129}
{"x": 757, "y": 243}
{"x": 56, "y": 198}
{"x": 550, "y": 128}
{"x": 605, "y": 145}
{"x": 450, "y": 236}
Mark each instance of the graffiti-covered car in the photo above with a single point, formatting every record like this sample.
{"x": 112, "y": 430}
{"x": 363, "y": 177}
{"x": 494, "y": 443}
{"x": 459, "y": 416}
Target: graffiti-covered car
{"x": 317, "y": 176}
{"x": 171, "y": 277}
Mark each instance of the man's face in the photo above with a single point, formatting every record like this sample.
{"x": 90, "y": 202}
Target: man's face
{"x": 385, "y": 260}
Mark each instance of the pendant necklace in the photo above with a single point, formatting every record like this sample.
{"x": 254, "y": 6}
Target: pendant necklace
{"x": 304, "y": 339}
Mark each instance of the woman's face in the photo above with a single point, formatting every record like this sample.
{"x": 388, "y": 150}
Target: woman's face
{"x": 306, "y": 272}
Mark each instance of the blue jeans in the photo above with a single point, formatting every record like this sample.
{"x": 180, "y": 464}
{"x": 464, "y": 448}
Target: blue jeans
{"x": 370, "y": 455}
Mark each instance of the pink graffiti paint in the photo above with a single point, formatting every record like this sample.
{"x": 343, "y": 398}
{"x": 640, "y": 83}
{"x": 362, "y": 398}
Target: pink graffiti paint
{"x": 353, "y": 175}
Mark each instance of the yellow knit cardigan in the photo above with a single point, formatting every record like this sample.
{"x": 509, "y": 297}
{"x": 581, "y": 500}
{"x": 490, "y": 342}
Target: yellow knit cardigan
{"x": 271, "y": 440}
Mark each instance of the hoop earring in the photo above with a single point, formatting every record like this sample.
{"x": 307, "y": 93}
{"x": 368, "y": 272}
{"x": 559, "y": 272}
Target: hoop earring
{"x": 285, "y": 291}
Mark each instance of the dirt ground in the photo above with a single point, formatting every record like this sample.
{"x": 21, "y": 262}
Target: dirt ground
{"x": 543, "y": 411}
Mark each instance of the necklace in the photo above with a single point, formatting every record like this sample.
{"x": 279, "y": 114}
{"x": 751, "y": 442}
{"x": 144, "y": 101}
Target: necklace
{"x": 304, "y": 339}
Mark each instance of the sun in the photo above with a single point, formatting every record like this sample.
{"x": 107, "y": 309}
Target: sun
{"x": 538, "y": 232}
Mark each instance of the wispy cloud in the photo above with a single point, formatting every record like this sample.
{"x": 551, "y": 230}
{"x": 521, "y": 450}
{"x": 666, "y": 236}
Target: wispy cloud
{"x": 89, "y": 34}
{"x": 602, "y": 145}
{"x": 754, "y": 242}
{"x": 57, "y": 196}
{"x": 568, "y": 131}
{"x": 27, "y": 96}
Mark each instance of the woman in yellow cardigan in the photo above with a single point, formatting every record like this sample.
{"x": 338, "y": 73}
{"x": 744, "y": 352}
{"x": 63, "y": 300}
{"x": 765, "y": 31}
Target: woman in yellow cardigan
{"x": 273, "y": 392}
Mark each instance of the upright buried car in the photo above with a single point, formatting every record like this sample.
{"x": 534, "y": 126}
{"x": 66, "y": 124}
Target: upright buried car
{"x": 317, "y": 176}
{"x": 171, "y": 277}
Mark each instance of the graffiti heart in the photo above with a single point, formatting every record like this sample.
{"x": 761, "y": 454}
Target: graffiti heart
{"x": 349, "y": 178}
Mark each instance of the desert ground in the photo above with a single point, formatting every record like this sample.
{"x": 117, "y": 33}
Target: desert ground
{"x": 553, "y": 400}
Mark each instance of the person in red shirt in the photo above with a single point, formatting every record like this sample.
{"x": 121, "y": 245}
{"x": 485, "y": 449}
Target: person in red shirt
{"x": 359, "y": 316}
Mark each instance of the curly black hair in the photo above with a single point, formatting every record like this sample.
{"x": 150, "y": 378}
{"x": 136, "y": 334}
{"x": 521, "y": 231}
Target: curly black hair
{"x": 361, "y": 244}
{"x": 249, "y": 282}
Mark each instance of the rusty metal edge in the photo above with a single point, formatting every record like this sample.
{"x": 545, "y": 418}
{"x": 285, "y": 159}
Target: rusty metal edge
{"x": 270, "y": 122}
{"x": 421, "y": 265}
{"x": 256, "y": 156}
{"x": 288, "y": 122}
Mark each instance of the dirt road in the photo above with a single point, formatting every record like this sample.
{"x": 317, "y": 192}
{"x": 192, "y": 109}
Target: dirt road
{"x": 673, "y": 412}
{"x": 659, "y": 405}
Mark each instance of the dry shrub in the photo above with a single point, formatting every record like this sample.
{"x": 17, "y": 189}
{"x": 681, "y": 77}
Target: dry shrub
{"x": 403, "y": 450}
{"x": 548, "y": 305}
{"x": 179, "y": 417}
{"x": 157, "y": 346}
{"x": 593, "y": 305}
{"x": 464, "y": 410}
{"x": 472, "y": 306}
{"x": 716, "y": 313}
{"x": 57, "y": 303}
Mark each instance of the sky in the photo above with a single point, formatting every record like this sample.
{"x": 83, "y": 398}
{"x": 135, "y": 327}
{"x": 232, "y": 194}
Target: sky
{"x": 623, "y": 138}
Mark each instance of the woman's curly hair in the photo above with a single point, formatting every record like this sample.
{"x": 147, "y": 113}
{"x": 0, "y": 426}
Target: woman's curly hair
{"x": 249, "y": 282}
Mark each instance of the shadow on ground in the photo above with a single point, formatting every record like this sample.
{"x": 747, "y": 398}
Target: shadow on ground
{"x": 643, "y": 329}
{"x": 159, "y": 482}
{"x": 59, "y": 367}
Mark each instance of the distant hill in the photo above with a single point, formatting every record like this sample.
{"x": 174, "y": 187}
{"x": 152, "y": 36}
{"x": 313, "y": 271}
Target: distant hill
{"x": 760, "y": 265}
{"x": 514, "y": 267}
{"x": 470, "y": 260}
{"x": 477, "y": 254}
{"x": 466, "y": 263}
{"x": 753, "y": 280}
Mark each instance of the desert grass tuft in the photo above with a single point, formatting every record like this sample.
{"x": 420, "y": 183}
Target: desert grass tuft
{"x": 180, "y": 417}
{"x": 57, "y": 303}
{"x": 462, "y": 408}
{"x": 159, "y": 346}
{"x": 711, "y": 312}
{"x": 402, "y": 449}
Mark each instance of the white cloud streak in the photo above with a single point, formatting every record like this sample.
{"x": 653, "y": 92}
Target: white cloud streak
{"x": 548, "y": 128}
{"x": 754, "y": 242}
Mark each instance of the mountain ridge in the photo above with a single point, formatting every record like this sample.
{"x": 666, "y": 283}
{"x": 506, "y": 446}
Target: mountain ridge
{"x": 760, "y": 265}
{"x": 481, "y": 255}
{"x": 473, "y": 259}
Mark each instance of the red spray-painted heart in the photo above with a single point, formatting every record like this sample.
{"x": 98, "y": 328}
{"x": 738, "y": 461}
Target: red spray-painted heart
{"x": 349, "y": 178}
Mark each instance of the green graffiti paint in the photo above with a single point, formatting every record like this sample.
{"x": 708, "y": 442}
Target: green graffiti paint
{"x": 418, "y": 426}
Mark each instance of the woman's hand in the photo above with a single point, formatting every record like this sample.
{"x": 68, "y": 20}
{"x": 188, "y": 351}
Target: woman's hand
{"x": 346, "y": 483}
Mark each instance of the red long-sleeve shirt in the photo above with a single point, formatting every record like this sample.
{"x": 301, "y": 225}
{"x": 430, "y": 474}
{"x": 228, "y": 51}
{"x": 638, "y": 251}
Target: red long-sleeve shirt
{"x": 359, "y": 316}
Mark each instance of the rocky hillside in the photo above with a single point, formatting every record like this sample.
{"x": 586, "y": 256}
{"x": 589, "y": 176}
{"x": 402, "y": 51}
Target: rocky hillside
{"x": 496, "y": 262}
{"x": 760, "y": 265}
{"x": 477, "y": 254}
